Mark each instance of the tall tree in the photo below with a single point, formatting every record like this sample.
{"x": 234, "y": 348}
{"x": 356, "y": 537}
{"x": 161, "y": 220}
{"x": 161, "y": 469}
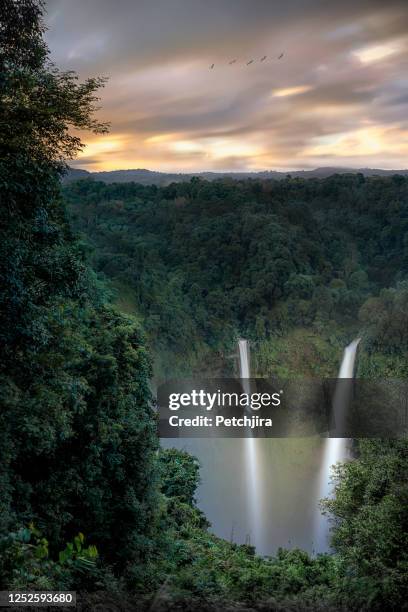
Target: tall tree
{"x": 77, "y": 434}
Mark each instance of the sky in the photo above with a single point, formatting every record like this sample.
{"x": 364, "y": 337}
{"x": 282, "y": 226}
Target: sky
{"x": 337, "y": 97}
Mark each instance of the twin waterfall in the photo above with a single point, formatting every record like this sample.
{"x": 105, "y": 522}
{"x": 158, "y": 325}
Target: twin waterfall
{"x": 334, "y": 450}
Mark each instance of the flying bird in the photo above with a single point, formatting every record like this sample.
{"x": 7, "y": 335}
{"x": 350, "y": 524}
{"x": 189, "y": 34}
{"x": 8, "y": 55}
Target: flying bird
{"x": 263, "y": 58}
{"x": 232, "y": 62}
{"x": 281, "y": 55}
{"x": 250, "y": 62}
{"x": 212, "y": 66}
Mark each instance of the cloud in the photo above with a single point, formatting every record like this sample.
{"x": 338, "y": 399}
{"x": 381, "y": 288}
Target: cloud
{"x": 376, "y": 53}
{"x": 291, "y": 91}
{"x": 340, "y": 85}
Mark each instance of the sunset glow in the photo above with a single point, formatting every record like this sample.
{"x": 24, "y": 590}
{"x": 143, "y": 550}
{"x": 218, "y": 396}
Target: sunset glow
{"x": 334, "y": 95}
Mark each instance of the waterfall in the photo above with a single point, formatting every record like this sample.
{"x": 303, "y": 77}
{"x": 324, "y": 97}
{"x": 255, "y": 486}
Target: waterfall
{"x": 252, "y": 461}
{"x": 335, "y": 449}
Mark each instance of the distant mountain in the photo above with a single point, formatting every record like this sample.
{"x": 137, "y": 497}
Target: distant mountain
{"x": 75, "y": 174}
{"x": 149, "y": 177}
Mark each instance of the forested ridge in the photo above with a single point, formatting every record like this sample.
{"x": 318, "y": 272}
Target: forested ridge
{"x": 88, "y": 501}
{"x": 203, "y": 262}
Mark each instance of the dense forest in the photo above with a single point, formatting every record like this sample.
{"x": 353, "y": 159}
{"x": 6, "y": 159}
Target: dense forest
{"x": 104, "y": 284}
{"x": 202, "y": 262}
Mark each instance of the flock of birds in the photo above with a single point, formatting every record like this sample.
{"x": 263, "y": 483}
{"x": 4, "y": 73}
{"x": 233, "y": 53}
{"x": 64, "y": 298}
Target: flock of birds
{"x": 251, "y": 61}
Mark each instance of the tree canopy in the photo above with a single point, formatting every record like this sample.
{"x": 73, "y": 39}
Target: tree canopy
{"x": 77, "y": 437}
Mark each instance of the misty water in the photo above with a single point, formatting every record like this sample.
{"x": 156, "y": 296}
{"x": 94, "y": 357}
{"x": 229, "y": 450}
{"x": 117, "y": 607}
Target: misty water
{"x": 266, "y": 491}
{"x": 335, "y": 449}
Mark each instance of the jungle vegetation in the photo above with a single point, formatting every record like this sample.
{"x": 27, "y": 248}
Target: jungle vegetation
{"x": 99, "y": 282}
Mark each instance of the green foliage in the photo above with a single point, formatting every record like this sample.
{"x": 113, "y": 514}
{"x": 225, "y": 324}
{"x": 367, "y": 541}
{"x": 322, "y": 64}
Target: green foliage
{"x": 39, "y": 104}
{"x": 256, "y": 258}
{"x": 77, "y": 555}
{"x": 179, "y": 474}
{"x": 26, "y": 563}
{"x": 77, "y": 430}
{"x": 385, "y": 324}
{"x": 370, "y": 533}
{"x": 210, "y": 568}
{"x": 195, "y": 566}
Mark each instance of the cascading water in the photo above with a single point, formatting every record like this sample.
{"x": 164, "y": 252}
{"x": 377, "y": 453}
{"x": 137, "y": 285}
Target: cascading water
{"x": 335, "y": 449}
{"x": 268, "y": 488}
{"x": 252, "y": 462}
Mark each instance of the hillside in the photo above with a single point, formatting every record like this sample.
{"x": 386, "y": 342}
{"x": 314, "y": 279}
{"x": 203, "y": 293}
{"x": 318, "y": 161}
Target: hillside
{"x": 203, "y": 262}
{"x": 149, "y": 177}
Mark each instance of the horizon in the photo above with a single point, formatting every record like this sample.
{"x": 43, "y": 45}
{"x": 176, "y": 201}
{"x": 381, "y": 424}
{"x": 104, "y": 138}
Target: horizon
{"x": 336, "y": 97}
{"x": 262, "y": 171}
